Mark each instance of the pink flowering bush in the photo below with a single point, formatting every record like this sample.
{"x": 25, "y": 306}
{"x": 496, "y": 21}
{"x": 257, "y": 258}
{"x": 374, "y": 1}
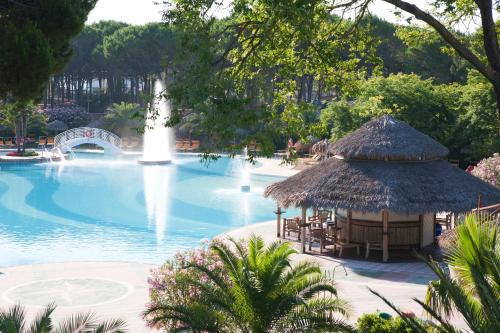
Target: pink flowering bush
{"x": 489, "y": 170}
{"x": 172, "y": 283}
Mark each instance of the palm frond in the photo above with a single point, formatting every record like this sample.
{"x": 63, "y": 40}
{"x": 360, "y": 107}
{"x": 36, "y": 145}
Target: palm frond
{"x": 79, "y": 323}
{"x": 13, "y": 320}
{"x": 43, "y": 322}
{"x": 111, "y": 326}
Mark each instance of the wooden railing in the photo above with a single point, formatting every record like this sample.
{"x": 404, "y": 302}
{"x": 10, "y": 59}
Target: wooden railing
{"x": 492, "y": 211}
{"x": 401, "y": 233}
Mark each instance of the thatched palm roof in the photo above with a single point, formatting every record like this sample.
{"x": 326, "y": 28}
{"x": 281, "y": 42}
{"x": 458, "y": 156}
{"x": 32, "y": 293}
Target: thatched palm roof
{"x": 370, "y": 186}
{"x": 387, "y": 138}
{"x": 402, "y": 186}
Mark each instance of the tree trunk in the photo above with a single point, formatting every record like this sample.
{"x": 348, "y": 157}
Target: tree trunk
{"x": 24, "y": 131}
{"x": 496, "y": 87}
{"x": 18, "y": 134}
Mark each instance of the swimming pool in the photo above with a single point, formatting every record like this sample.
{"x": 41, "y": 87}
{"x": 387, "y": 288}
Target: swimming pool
{"x": 98, "y": 209}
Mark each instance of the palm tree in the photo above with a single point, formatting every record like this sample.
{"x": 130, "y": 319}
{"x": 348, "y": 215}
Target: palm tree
{"x": 122, "y": 117}
{"x": 13, "y": 320}
{"x": 475, "y": 290}
{"x": 256, "y": 291}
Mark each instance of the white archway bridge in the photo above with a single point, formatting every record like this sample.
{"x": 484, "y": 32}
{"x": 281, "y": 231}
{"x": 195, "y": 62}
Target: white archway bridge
{"x": 81, "y": 135}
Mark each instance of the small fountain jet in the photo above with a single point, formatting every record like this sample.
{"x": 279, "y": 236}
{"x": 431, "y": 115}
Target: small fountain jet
{"x": 245, "y": 172}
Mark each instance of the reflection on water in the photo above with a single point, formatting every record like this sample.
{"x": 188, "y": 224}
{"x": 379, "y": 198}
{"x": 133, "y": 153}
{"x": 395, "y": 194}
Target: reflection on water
{"x": 157, "y": 188}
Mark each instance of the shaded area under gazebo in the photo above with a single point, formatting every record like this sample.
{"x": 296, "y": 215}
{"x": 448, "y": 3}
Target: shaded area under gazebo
{"x": 385, "y": 183}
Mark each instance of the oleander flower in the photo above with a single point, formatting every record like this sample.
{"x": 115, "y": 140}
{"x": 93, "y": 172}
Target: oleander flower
{"x": 488, "y": 170}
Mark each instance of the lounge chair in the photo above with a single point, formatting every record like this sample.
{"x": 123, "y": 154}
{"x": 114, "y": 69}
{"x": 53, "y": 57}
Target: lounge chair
{"x": 9, "y": 142}
{"x": 178, "y": 144}
{"x": 50, "y": 141}
{"x": 134, "y": 142}
{"x": 186, "y": 145}
{"x": 125, "y": 143}
{"x": 42, "y": 141}
{"x": 195, "y": 145}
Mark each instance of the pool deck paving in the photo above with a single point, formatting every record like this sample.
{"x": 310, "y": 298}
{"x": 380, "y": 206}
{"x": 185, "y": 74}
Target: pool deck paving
{"x": 109, "y": 289}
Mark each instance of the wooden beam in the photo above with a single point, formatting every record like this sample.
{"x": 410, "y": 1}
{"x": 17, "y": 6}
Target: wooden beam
{"x": 421, "y": 219}
{"x": 348, "y": 227}
{"x": 303, "y": 229}
{"x": 434, "y": 227}
{"x": 278, "y": 222}
{"x": 385, "y": 235}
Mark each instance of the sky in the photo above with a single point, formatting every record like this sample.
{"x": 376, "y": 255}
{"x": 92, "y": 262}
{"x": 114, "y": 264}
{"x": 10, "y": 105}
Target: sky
{"x": 144, "y": 11}
{"x": 129, "y": 11}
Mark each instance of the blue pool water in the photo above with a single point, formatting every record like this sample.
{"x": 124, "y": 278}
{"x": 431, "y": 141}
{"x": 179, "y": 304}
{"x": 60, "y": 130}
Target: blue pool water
{"x": 100, "y": 209}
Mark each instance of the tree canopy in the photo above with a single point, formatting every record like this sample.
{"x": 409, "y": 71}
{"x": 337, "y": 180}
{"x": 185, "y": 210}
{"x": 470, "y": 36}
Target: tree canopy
{"x": 35, "y": 42}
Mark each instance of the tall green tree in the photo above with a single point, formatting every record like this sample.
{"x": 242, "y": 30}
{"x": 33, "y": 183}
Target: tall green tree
{"x": 258, "y": 68}
{"x": 253, "y": 29}
{"x": 35, "y": 42}
{"x": 462, "y": 117}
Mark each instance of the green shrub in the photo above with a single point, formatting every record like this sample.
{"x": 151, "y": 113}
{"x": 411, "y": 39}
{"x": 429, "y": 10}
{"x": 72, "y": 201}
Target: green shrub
{"x": 373, "y": 323}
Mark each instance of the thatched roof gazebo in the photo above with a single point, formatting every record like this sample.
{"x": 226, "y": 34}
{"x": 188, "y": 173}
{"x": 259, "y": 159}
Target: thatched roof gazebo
{"x": 386, "y": 177}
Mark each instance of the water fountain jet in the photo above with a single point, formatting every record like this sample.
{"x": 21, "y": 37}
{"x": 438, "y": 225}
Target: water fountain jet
{"x": 157, "y": 137}
{"x": 245, "y": 172}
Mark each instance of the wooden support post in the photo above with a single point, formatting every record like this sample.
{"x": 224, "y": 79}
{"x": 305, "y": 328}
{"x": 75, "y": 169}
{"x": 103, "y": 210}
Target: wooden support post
{"x": 421, "y": 219}
{"x": 278, "y": 213}
{"x": 385, "y": 235}
{"x": 348, "y": 227}
{"x": 434, "y": 227}
{"x": 303, "y": 229}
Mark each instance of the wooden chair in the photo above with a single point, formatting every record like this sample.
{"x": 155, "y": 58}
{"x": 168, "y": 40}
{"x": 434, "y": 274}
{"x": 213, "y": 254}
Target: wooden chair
{"x": 342, "y": 244}
{"x": 186, "y": 145}
{"x": 50, "y": 141}
{"x": 316, "y": 233}
{"x": 292, "y": 225}
{"x": 373, "y": 245}
{"x": 445, "y": 221}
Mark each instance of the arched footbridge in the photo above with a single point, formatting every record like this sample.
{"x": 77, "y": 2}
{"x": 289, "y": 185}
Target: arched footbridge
{"x": 82, "y": 135}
